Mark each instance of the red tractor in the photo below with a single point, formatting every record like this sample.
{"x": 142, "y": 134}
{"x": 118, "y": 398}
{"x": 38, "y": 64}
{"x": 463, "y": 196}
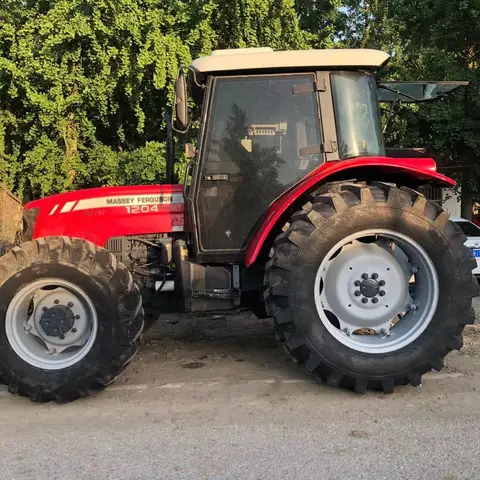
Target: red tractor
{"x": 290, "y": 207}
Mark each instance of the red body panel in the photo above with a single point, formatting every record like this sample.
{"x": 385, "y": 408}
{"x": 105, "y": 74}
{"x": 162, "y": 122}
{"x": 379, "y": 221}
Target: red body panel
{"x": 98, "y": 214}
{"x": 421, "y": 168}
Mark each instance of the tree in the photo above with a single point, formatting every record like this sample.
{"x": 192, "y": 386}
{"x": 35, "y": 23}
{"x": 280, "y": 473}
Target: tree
{"x": 257, "y": 23}
{"x": 85, "y": 84}
{"x": 78, "y": 78}
{"x": 325, "y": 21}
{"x": 450, "y": 51}
{"x": 432, "y": 40}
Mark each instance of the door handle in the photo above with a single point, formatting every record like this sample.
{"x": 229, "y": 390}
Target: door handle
{"x": 188, "y": 172}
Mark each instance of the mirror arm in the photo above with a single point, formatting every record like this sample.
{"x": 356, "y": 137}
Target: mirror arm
{"x": 194, "y": 74}
{"x": 390, "y": 113}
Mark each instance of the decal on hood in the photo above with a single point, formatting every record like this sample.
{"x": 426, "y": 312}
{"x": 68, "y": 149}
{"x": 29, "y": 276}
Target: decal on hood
{"x": 119, "y": 200}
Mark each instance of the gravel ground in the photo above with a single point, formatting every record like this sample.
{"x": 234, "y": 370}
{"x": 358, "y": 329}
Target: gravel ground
{"x": 215, "y": 398}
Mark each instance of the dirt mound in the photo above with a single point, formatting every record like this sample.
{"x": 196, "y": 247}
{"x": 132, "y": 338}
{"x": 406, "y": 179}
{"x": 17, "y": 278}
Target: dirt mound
{"x": 10, "y": 218}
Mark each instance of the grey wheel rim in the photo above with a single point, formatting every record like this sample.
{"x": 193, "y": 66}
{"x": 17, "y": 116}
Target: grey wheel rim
{"x": 51, "y": 324}
{"x": 376, "y": 291}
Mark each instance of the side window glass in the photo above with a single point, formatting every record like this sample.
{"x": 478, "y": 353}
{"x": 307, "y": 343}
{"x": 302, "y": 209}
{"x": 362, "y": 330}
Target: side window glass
{"x": 253, "y": 152}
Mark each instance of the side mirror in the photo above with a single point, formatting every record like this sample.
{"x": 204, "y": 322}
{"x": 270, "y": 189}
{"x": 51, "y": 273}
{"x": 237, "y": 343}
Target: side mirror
{"x": 181, "y": 103}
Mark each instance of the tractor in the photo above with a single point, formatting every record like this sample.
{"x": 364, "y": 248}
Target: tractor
{"x": 290, "y": 206}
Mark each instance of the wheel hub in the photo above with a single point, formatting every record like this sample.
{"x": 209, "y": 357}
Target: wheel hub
{"x": 352, "y": 288}
{"x": 57, "y": 320}
{"x": 369, "y": 288}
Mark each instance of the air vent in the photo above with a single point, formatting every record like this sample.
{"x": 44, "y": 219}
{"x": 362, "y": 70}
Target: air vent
{"x": 114, "y": 245}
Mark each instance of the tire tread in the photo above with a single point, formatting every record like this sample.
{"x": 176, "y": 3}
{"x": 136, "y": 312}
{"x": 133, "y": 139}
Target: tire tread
{"x": 315, "y": 212}
{"x": 102, "y": 265}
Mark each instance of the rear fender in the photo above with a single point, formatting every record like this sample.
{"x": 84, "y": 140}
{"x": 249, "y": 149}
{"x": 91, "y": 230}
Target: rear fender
{"x": 414, "y": 171}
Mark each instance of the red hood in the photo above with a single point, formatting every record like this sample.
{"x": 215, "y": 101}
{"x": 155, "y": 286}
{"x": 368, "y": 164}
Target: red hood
{"x": 98, "y": 214}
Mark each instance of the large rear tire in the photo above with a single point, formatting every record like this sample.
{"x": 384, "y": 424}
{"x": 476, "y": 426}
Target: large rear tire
{"x": 70, "y": 319}
{"x": 370, "y": 287}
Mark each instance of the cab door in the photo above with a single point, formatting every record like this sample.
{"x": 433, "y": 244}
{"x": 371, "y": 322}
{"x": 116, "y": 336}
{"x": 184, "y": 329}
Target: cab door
{"x": 258, "y": 141}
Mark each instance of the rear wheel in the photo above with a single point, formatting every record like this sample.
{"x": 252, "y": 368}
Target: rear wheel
{"x": 370, "y": 287}
{"x": 70, "y": 319}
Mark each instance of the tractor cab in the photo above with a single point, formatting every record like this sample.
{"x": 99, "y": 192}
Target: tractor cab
{"x": 269, "y": 119}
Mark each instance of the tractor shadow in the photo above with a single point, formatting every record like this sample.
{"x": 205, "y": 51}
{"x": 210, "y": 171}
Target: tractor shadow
{"x": 213, "y": 348}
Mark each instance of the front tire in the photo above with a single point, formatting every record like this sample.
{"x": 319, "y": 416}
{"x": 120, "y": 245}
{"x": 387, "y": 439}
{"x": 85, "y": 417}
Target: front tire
{"x": 337, "y": 325}
{"x": 70, "y": 319}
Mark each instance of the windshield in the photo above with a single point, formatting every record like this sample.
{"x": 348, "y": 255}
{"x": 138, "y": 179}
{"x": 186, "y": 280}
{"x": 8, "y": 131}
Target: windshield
{"x": 357, "y": 114}
{"x": 469, "y": 229}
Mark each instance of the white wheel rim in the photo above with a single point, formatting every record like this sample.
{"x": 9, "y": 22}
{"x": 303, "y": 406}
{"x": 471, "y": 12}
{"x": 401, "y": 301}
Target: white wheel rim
{"x": 393, "y": 315}
{"x": 25, "y": 322}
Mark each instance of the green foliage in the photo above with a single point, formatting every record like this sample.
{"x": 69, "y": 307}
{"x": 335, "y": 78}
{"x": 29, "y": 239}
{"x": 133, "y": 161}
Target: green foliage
{"x": 325, "y": 21}
{"x": 109, "y": 168}
{"x": 78, "y": 73}
{"x": 85, "y": 84}
{"x": 436, "y": 41}
{"x": 257, "y": 23}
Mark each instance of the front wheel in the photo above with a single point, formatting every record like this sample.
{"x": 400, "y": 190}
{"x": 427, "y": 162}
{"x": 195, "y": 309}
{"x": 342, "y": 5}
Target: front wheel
{"x": 70, "y": 319}
{"x": 370, "y": 287}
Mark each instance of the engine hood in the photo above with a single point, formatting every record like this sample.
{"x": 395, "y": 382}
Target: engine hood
{"x": 98, "y": 214}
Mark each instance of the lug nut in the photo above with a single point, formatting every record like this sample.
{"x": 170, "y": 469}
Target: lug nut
{"x": 69, "y": 304}
{"x": 413, "y": 307}
{"x": 381, "y": 293}
{"x": 414, "y": 269}
{"x": 358, "y": 293}
{"x": 62, "y": 337}
{"x": 346, "y": 331}
{"x": 28, "y": 328}
{"x": 51, "y": 351}
{"x": 364, "y": 276}
{"x": 77, "y": 317}
{"x": 357, "y": 283}
{"x": 74, "y": 330}
{"x": 381, "y": 283}
{"x": 374, "y": 300}
{"x": 364, "y": 300}
{"x": 375, "y": 276}
{"x": 45, "y": 309}
{"x": 56, "y": 302}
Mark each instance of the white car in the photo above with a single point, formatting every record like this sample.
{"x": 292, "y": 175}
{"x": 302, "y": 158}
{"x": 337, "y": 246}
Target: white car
{"x": 472, "y": 233}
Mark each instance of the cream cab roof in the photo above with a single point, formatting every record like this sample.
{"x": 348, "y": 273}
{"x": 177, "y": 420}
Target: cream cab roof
{"x": 266, "y": 59}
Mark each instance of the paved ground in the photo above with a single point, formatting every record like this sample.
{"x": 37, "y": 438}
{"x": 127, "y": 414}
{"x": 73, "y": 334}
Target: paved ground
{"x": 215, "y": 399}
